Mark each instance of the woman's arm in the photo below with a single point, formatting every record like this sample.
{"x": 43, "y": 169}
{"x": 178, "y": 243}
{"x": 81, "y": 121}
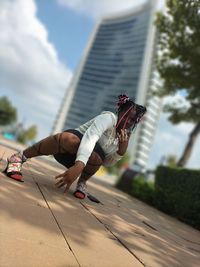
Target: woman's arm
{"x": 100, "y": 124}
{"x": 123, "y": 139}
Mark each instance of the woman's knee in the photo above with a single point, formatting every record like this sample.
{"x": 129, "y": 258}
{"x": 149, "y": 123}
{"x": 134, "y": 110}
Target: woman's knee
{"x": 69, "y": 142}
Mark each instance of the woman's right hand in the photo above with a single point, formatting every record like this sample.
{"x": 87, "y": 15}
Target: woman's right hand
{"x": 68, "y": 177}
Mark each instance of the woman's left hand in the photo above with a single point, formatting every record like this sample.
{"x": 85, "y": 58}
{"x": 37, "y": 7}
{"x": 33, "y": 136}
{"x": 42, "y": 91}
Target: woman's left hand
{"x": 123, "y": 138}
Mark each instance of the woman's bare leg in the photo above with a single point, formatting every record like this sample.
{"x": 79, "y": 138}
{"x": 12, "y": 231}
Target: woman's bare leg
{"x": 59, "y": 143}
{"x": 54, "y": 144}
{"x": 92, "y": 166}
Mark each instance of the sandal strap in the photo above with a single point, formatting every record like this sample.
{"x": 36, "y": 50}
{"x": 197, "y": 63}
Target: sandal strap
{"x": 14, "y": 167}
{"x": 81, "y": 187}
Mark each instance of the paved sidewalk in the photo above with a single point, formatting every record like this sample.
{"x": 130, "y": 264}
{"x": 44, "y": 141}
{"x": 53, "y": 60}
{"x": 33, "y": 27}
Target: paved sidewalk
{"x": 40, "y": 226}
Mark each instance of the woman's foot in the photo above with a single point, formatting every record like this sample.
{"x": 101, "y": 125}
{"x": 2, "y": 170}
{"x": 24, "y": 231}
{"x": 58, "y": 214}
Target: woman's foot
{"x": 81, "y": 190}
{"x": 13, "y": 169}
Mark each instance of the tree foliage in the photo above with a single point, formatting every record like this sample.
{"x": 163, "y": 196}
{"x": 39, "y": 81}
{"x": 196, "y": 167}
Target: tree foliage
{"x": 27, "y": 135}
{"x": 8, "y": 113}
{"x": 171, "y": 160}
{"x": 178, "y": 61}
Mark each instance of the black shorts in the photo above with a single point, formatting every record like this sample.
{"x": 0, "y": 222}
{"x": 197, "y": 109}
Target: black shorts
{"x": 68, "y": 159}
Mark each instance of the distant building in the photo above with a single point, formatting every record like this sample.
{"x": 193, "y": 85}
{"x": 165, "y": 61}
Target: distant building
{"x": 119, "y": 58}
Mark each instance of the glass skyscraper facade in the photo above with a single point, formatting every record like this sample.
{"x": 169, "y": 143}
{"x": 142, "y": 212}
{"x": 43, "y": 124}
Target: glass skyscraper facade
{"x": 118, "y": 59}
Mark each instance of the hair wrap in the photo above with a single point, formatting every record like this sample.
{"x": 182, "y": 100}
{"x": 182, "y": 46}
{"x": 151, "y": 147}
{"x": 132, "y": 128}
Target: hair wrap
{"x": 122, "y": 99}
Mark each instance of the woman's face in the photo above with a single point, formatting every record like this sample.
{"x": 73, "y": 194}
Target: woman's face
{"x": 128, "y": 120}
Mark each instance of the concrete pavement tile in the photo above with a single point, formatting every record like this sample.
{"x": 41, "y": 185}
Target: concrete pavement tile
{"x": 132, "y": 209}
{"x": 17, "y": 192}
{"x": 143, "y": 243}
{"x": 30, "y": 222}
{"x": 17, "y": 252}
{"x": 8, "y": 144}
{"x": 191, "y": 241}
{"x": 99, "y": 249}
{"x": 124, "y": 220}
{"x": 157, "y": 251}
{"x": 88, "y": 238}
{"x": 69, "y": 211}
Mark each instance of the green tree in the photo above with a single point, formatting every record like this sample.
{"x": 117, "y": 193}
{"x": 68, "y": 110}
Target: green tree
{"x": 171, "y": 160}
{"x": 8, "y": 113}
{"x": 27, "y": 135}
{"x": 178, "y": 63}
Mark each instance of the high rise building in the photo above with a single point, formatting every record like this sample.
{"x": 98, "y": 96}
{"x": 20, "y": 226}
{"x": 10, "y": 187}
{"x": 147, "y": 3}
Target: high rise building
{"x": 119, "y": 58}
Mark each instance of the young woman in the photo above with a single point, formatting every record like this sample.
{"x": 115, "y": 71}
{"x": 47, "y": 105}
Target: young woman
{"x": 100, "y": 141}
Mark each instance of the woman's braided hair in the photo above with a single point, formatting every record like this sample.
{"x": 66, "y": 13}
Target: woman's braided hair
{"x": 125, "y": 104}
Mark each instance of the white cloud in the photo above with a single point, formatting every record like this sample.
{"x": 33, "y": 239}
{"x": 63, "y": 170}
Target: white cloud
{"x": 31, "y": 74}
{"x": 177, "y": 100}
{"x": 98, "y": 8}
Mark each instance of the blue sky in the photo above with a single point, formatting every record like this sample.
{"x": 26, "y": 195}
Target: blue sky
{"x": 41, "y": 43}
{"x": 68, "y": 30}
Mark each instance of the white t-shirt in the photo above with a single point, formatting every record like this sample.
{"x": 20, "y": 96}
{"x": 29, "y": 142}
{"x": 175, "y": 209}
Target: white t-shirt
{"x": 100, "y": 129}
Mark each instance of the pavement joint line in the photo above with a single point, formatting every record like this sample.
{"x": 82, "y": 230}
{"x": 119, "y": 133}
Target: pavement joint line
{"x": 190, "y": 241}
{"x": 193, "y": 249}
{"x": 116, "y": 238}
{"x": 180, "y": 245}
{"x": 70, "y": 248}
{"x": 150, "y": 226}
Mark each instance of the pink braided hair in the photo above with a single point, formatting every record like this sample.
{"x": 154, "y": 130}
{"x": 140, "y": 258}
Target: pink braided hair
{"x": 123, "y": 99}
